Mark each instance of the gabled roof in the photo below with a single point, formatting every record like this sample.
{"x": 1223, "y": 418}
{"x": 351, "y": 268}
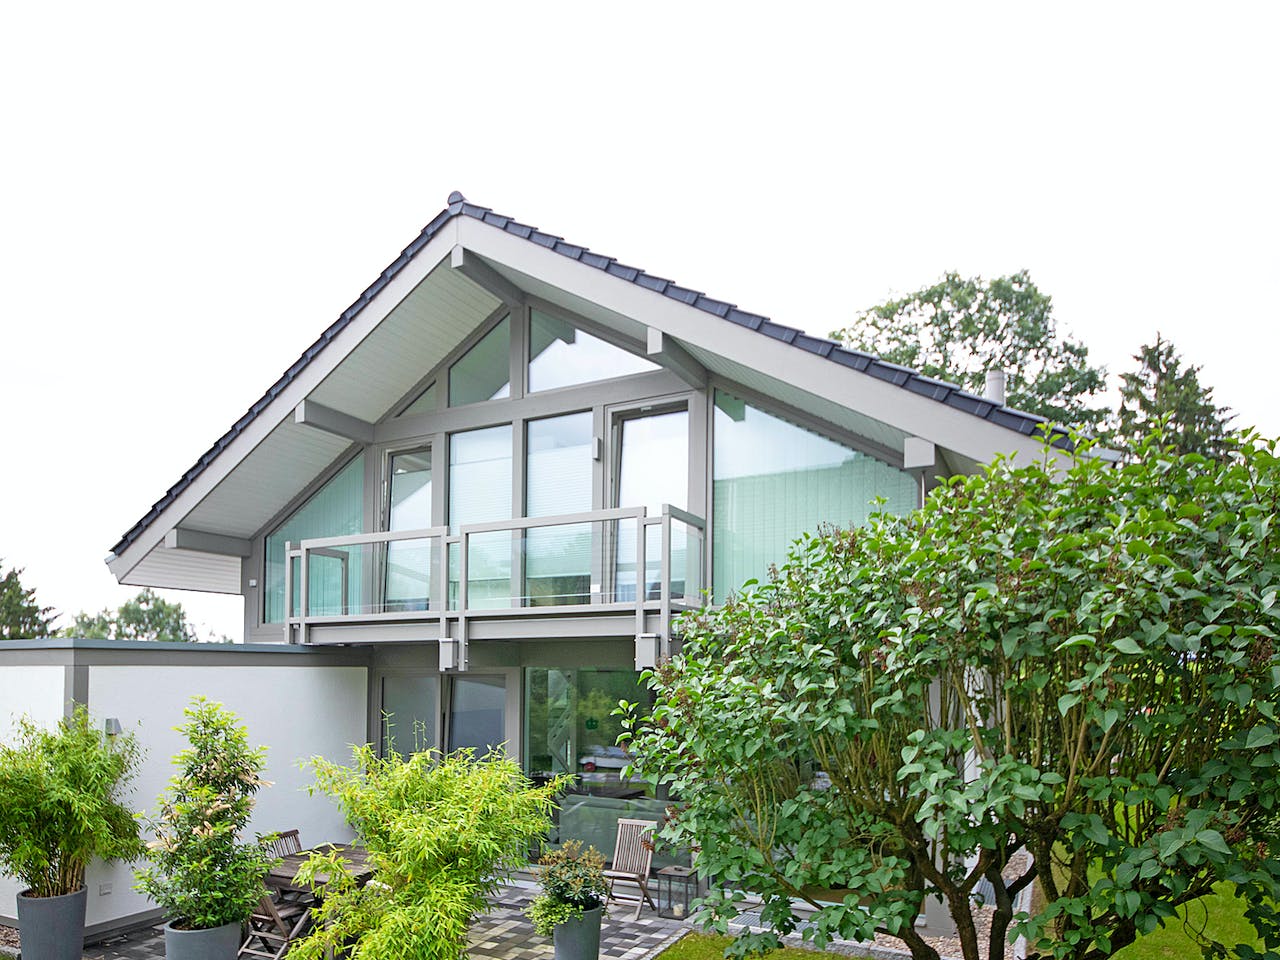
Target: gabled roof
{"x": 906, "y": 378}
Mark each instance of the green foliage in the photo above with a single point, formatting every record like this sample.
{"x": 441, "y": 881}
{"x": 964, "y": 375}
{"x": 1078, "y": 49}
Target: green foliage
{"x": 21, "y": 616}
{"x": 440, "y": 832}
{"x": 199, "y": 870}
{"x": 960, "y": 328}
{"x": 1079, "y": 663}
{"x": 147, "y": 616}
{"x": 572, "y": 881}
{"x": 60, "y": 803}
{"x": 1164, "y": 394}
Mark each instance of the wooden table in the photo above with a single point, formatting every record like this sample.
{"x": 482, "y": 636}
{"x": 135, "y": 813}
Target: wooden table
{"x": 284, "y": 876}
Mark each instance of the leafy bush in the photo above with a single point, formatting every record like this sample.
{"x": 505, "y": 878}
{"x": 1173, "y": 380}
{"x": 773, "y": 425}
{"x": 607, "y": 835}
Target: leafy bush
{"x": 200, "y": 871}
{"x": 59, "y": 803}
{"x": 572, "y": 881}
{"x": 440, "y": 832}
{"x": 1076, "y": 661}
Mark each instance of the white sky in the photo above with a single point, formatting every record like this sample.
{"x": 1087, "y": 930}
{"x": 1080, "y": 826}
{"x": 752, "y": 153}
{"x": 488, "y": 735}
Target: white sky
{"x": 189, "y": 195}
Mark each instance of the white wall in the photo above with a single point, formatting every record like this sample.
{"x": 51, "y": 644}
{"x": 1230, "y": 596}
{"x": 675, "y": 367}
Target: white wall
{"x": 32, "y": 691}
{"x": 36, "y": 692}
{"x": 296, "y": 711}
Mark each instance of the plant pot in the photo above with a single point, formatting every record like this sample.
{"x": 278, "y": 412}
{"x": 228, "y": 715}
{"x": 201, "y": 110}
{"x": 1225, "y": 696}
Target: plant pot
{"x": 579, "y": 939}
{"x": 217, "y": 943}
{"x": 52, "y": 928}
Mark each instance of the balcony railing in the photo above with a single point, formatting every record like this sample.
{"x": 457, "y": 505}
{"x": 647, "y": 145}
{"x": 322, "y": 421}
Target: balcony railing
{"x": 620, "y": 560}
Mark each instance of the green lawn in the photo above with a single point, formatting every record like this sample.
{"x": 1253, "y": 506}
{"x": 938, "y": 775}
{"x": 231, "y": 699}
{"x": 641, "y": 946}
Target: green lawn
{"x": 1222, "y": 917}
{"x": 1225, "y": 923}
{"x": 699, "y": 946}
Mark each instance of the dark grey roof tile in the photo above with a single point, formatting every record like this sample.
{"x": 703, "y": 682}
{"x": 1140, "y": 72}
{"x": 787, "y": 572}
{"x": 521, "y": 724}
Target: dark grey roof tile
{"x": 745, "y": 319}
{"x": 683, "y": 294}
{"x": 822, "y": 347}
{"x": 854, "y": 359}
{"x": 718, "y": 307}
{"x": 595, "y": 260}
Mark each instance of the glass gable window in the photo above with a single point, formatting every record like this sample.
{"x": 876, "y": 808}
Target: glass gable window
{"x": 480, "y": 491}
{"x": 560, "y": 355}
{"x": 335, "y": 510}
{"x": 484, "y": 371}
{"x": 557, "y": 481}
{"x": 773, "y": 481}
{"x": 425, "y": 403}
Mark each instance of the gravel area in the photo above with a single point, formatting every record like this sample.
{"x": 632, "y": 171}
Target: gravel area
{"x": 9, "y": 936}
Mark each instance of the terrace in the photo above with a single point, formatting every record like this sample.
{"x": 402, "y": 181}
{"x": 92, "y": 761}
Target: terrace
{"x": 581, "y": 565}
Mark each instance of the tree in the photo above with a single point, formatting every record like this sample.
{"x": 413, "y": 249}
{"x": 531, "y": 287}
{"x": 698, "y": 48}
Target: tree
{"x": 960, "y": 328}
{"x": 21, "y": 616}
{"x": 146, "y": 617}
{"x": 1161, "y": 390}
{"x": 1078, "y": 666}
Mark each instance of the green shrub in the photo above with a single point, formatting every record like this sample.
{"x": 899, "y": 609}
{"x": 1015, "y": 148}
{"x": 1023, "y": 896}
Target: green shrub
{"x": 200, "y": 871}
{"x": 59, "y": 803}
{"x": 572, "y": 881}
{"x": 440, "y": 832}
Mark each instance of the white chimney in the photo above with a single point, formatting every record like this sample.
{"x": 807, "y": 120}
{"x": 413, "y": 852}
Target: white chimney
{"x": 995, "y": 386}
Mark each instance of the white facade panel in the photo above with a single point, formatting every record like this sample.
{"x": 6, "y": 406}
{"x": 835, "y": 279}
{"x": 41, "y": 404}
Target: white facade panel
{"x": 298, "y": 711}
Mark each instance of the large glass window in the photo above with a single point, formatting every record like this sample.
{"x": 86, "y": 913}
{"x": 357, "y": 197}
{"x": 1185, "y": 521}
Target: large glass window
{"x": 653, "y": 469}
{"x": 558, "y": 481}
{"x": 484, "y": 371}
{"x": 410, "y": 706}
{"x": 336, "y": 509}
{"x": 774, "y": 481}
{"x": 408, "y": 564}
{"x": 570, "y": 728}
{"x": 480, "y": 491}
{"x": 561, "y": 355}
{"x": 477, "y": 713}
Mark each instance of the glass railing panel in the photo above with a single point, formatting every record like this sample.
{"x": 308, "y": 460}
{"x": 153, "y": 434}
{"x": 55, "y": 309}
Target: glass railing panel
{"x": 334, "y": 579}
{"x": 488, "y": 571}
{"x": 685, "y": 562}
{"x": 559, "y": 562}
{"x": 367, "y": 579}
{"x": 624, "y": 556}
{"x": 409, "y": 574}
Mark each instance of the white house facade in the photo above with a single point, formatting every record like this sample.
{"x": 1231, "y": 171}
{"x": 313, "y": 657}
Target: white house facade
{"x": 494, "y": 482}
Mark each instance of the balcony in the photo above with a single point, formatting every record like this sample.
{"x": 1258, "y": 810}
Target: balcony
{"x": 617, "y": 563}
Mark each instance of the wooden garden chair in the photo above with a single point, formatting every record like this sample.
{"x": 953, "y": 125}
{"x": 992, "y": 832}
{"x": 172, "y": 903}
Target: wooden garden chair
{"x": 632, "y": 857}
{"x": 275, "y": 925}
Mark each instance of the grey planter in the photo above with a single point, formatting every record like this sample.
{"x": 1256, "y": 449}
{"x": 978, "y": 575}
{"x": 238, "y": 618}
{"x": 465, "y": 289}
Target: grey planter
{"x": 579, "y": 939}
{"x": 220, "y": 943}
{"x": 52, "y": 928}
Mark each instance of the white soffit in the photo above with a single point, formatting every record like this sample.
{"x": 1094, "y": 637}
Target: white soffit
{"x": 420, "y": 332}
{"x": 186, "y": 570}
{"x": 264, "y": 482}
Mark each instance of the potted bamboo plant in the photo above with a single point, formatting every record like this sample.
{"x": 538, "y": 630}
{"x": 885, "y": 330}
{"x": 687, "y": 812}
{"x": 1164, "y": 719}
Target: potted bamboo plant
{"x": 572, "y": 901}
{"x": 59, "y": 809}
{"x": 207, "y": 879}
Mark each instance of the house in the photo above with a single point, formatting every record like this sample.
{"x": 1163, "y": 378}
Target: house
{"x": 476, "y": 502}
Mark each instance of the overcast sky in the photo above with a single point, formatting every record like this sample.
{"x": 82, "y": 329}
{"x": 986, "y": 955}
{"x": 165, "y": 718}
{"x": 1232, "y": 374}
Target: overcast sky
{"x": 191, "y": 194}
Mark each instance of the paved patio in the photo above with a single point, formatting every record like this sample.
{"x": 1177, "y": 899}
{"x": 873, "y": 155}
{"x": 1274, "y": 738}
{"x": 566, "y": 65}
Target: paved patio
{"x": 502, "y": 934}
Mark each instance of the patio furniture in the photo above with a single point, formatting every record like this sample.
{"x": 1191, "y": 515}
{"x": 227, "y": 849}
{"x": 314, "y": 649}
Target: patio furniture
{"x": 284, "y": 915}
{"x": 285, "y": 843}
{"x": 632, "y": 856}
{"x": 275, "y": 925}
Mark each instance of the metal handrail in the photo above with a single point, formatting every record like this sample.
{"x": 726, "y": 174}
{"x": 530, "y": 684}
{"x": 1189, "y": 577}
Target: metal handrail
{"x": 440, "y": 539}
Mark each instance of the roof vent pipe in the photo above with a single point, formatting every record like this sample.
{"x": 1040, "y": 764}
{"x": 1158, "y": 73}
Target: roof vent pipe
{"x": 994, "y": 390}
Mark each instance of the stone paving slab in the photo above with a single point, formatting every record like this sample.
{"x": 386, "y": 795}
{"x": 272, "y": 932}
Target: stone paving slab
{"x": 501, "y": 934}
